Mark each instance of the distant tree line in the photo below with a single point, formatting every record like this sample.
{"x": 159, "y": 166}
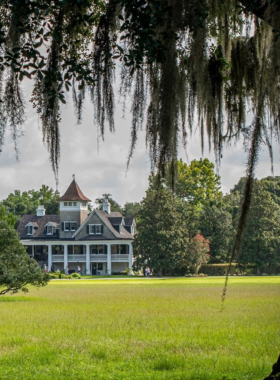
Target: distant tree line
{"x": 171, "y": 223}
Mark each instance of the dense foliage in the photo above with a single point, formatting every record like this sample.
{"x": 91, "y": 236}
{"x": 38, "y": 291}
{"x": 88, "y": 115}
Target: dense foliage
{"x": 215, "y": 217}
{"x": 26, "y": 202}
{"x": 17, "y": 270}
{"x": 7, "y": 217}
{"x": 161, "y": 237}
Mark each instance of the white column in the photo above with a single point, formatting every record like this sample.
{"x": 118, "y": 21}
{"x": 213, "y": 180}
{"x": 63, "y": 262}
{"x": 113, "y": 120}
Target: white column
{"x": 32, "y": 250}
{"x": 65, "y": 256}
{"x": 88, "y": 259}
{"x": 109, "y": 259}
{"x": 49, "y": 256}
{"x": 130, "y": 258}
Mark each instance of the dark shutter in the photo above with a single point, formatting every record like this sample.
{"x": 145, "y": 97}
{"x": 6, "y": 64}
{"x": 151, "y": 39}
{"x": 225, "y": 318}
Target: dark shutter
{"x": 87, "y": 229}
{"x": 102, "y": 229}
{"x": 45, "y": 230}
{"x": 62, "y": 226}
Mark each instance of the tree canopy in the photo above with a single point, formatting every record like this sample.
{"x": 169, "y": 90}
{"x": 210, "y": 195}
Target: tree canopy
{"x": 178, "y": 58}
{"x": 115, "y": 206}
{"x": 19, "y": 203}
{"x": 17, "y": 270}
{"x": 162, "y": 238}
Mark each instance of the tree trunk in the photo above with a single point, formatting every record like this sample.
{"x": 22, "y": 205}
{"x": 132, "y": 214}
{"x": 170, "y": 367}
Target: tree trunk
{"x": 275, "y": 374}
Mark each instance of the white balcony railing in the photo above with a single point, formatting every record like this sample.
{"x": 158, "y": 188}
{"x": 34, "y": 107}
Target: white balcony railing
{"x": 98, "y": 257}
{"x": 77, "y": 258}
{"x": 56, "y": 258}
{"x": 119, "y": 257}
{"x": 93, "y": 258}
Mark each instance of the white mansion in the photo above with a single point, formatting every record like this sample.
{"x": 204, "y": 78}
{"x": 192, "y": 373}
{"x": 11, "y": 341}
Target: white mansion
{"x": 99, "y": 242}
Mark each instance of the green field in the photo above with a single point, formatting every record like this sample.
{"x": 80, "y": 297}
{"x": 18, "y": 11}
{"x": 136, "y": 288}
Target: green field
{"x": 141, "y": 329}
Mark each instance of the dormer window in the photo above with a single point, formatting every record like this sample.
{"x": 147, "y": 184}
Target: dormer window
{"x": 49, "y": 230}
{"x": 30, "y": 230}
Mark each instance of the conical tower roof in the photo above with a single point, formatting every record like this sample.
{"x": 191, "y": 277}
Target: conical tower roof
{"x": 74, "y": 193}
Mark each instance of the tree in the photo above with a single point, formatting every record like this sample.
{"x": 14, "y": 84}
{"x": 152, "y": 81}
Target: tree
{"x": 161, "y": 237}
{"x": 17, "y": 270}
{"x": 194, "y": 58}
{"x": 9, "y": 218}
{"x": 197, "y": 253}
{"x": 197, "y": 183}
{"x": 260, "y": 243}
{"x": 115, "y": 206}
{"x": 131, "y": 209}
{"x": 215, "y": 224}
{"x": 272, "y": 185}
{"x": 26, "y": 202}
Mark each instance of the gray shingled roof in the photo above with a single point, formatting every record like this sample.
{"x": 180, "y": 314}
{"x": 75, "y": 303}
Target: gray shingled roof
{"x": 128, "y": 221}
{"x": 115, "y": 220}
{"x": 107, "y": 219}
{"x": 95, "y": 237}
{"x": 41, "y": 221}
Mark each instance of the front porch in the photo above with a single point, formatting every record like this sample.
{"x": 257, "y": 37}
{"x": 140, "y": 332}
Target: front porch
{"x": 96, "y": 259}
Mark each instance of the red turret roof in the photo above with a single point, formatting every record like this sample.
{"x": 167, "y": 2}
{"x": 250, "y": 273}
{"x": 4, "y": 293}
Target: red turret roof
{"x": 74, "y": 193}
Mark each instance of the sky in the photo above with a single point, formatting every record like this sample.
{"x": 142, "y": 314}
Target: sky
{"x": 101, "y": 168}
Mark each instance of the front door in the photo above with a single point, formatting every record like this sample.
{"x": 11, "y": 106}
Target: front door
{"x": 93, "y": 268}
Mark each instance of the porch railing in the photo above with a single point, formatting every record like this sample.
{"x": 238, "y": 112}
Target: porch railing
{"x": 79, "y": 258}
{"x": 119, "y": 257}
{"x": 94, "y": 257}
{"x": 56, "y": 258}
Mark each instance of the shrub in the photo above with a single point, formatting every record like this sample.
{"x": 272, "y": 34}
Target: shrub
{"x": 74, "y": 275}
{"x": 217, "y": 269}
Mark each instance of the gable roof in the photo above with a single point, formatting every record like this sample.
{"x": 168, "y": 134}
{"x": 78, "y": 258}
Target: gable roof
{"x": 74, "y": 193}
{"x": 39, "y": 222}
{"x": 34, "y": 224}
{"x": 105, "y": 218}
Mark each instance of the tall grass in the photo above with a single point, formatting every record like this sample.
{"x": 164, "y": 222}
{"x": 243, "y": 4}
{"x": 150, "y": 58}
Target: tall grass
{"x": 141, "y": 329}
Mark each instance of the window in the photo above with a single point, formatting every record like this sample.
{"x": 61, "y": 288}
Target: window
{"x": 73, "y": 226}
{"x": 84, "y": 204}
{"x": 69, "y": 203}
{"x": 65, "y": 204}
{"x": 29, "y": 230}
{"x": 74, "y": 203}
{"x": 100, "y": 266}
{"x": 49, "y": 230}
{"x": 98, "y": 228}
{"x": 95, "y": 229}
{"x": 69, "y": 226}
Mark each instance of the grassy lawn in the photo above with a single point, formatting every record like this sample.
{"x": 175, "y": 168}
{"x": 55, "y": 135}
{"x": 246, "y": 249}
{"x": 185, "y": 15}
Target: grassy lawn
{"x": 142, "y": 329}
